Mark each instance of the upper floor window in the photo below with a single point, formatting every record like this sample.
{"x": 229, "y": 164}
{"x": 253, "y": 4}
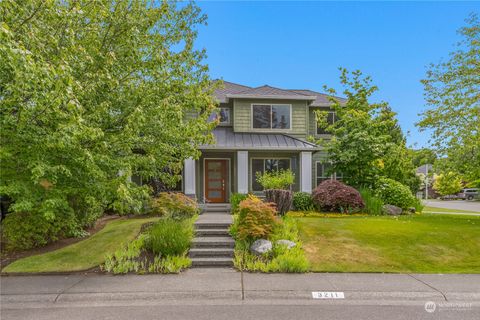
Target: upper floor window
{"x": 224, "y": 116}
{"x": 330, "y": 121}
{"x": 271, "y": 116}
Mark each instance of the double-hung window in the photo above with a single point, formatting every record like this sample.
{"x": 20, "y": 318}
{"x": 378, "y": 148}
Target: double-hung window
{"x": 271, "y": 116}
{"x": 330, "y": 121}
{"x": 266, "y": 165}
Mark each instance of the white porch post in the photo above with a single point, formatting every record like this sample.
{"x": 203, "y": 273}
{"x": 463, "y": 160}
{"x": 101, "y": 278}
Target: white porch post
{"x": 189, "y": 176}
{"x": 242, "y": 171}
{"x": 306, "y": 171}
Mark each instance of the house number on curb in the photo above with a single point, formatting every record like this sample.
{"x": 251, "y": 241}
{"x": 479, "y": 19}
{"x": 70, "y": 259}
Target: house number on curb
{"x": 327, "y": 295}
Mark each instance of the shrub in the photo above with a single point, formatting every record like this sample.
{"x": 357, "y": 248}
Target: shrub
{"x": 281, "y": 198}
{"x": 170, "y": 237}
{"x": 235, "y": 200}
{"x": 281, "y": 179}
{"x": 24, "y": 231}
{"x": 174, "y": 205}
{"x": 373, "y": 204}
{"x": 302, "y": 201}
{"x": 256, "y": 219}
{"x": 394, "y": 193}
{"x": 447, "y": 183}
{"x": 334, "y": 196}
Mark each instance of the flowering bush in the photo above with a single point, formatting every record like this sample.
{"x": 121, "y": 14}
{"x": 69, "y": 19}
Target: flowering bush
{"x": 335, "y": 196}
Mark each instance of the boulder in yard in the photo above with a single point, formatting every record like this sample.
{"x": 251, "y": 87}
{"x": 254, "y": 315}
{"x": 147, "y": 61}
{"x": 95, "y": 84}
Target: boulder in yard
{"x": 261, "y": 246}
{"x": 392, "y": 210}
{"x": 287, "y": 243}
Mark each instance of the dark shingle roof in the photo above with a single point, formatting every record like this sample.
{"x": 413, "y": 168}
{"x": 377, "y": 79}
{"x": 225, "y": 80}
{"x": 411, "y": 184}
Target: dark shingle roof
{"x": 226, "y": 139}
{"x": 270, "y": 92}
{"x": 234, "y": 90}
{"x": 228, "y": 88}
{"x": 322, "y": 100}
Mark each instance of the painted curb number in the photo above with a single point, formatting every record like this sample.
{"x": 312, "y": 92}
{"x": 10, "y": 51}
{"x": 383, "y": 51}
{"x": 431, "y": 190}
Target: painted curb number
{"x": 327, "y": 295}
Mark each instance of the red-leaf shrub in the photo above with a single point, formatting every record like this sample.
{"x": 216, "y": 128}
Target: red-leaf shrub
{"x": 335, "y": 196}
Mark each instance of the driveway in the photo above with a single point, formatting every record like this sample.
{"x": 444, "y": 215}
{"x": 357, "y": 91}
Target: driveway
{"x": 454, "y": 204}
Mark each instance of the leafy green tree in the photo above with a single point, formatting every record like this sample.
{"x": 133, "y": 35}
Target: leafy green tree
{"x": 447, "y": 183}
{"x": 367, "y": 142}
{"x": 92, "y": 92}
{"x": 423, "y": 156}
{"x": 452, "y": 92}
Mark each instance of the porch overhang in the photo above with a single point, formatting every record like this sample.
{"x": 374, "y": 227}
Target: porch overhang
{"x": 226, "y": 139}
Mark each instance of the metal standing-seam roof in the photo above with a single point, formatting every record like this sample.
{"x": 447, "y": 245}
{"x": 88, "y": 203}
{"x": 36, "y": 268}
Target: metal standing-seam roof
{"x": 226, "y": 139}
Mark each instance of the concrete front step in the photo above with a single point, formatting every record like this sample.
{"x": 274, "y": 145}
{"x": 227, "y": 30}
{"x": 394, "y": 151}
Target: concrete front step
{"x": 212, "y": 262}
{"x": 212, "y": 225}
{"x": 217, "y": 232}
{"x": 211, "y": 252}
{"x": 213, "y": 242}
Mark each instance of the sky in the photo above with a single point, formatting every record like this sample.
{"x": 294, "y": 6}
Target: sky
{"x": 301, "y": 45}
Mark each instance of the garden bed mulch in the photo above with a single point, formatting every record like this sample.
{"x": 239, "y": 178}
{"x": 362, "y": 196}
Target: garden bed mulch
{"x": 8, "y": 257}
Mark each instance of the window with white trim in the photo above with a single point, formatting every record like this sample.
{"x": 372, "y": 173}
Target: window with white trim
{"x": 331, "y": 117}
{"x": 271, "y": 116}
{"x": 266, "y": 165}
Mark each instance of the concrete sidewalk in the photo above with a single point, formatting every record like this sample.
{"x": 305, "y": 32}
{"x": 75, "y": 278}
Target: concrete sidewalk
{"x": 218, "y": 286}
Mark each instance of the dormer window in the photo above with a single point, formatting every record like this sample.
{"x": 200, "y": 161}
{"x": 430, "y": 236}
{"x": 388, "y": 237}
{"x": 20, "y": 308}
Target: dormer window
{"x": 271, "y": 116}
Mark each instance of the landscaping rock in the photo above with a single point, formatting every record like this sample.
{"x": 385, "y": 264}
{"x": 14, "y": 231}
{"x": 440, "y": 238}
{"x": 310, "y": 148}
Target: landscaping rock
{"x": 392, "y": 210}
{"x": 289, "y": 244}
{"x": 261, "y": 246}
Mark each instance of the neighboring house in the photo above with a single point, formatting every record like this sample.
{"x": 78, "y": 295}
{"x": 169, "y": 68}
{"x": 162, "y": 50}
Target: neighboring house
{"x": 261, "y": 129}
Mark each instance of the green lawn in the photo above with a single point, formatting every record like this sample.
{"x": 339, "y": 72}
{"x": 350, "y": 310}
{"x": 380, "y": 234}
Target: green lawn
{"x": 85, "y": 254}
{"x": 419, "y": 243}
{"x": 433, "y": 209}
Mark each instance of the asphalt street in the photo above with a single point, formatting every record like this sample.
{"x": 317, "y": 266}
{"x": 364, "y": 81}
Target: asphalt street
{"x": 454, "y": 204}
{"x": 217, "y": 294}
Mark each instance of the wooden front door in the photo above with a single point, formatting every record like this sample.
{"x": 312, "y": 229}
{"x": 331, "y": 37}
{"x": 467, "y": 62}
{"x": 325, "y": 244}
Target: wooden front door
{"x": 216, "y": 180}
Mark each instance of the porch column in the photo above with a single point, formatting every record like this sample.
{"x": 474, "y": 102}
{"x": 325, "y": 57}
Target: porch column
{"x": 189, "y": 177}
{"x": 242, "y": 171}
{"x": 306, "y": 171}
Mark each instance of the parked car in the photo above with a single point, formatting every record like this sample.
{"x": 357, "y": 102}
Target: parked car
{"x": 468, "y": 194}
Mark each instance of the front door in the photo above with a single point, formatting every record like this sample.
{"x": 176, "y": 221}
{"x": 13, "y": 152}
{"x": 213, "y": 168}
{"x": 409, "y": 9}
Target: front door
{"x": 216, "y": 183}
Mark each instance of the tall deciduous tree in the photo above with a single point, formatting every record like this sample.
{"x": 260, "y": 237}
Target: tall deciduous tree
{"x": 93, "y": 91}
{"x": 367, "y": 142}
{"x": 452, "y": 91}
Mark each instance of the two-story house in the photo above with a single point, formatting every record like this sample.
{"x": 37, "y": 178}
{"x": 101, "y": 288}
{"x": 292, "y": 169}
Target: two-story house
{"x": 261, "y": 129}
